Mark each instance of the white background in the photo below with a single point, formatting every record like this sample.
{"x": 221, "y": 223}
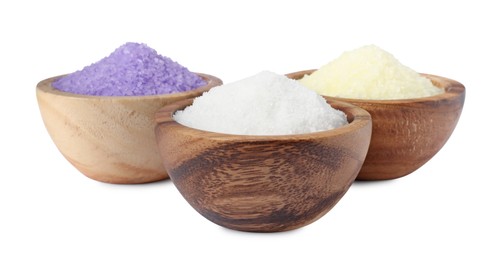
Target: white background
{"x": 48, "y": 210}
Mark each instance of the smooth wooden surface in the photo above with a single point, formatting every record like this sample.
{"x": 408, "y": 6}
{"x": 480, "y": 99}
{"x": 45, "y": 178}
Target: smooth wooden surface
{"x": 263, "y": 183}
{"x": 407, "y": 133}
{"x": 109, "y": 139}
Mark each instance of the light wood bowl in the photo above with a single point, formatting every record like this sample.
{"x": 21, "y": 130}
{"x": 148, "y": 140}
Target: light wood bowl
{"x": 263, "y": 183}
{"x": 407, "y": 133}
{"x": 109, "y": 139}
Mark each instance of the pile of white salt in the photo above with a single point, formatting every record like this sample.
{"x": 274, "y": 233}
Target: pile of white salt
{"x": 369, "y": 73}
{"x": 263, "y": 104}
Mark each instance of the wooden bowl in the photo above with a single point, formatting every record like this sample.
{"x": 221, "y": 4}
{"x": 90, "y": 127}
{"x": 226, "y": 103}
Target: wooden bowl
{"x": 109, "y": 139}
{"x": 263, "y": 183}
{"x": 407, "y": 133}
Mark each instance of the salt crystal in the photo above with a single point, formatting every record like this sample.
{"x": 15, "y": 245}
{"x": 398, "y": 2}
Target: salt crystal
{"x": 263, "y": 104}
{"x": 131, "y": 70}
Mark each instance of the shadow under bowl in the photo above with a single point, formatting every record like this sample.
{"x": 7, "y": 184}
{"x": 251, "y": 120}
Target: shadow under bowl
{"x": 406, "y": 133}
{"x": 107, "y": 138}
{"x": 263, "y": 183}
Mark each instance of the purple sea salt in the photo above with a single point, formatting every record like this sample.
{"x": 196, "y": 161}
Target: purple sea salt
{"x": 131, "y": 70}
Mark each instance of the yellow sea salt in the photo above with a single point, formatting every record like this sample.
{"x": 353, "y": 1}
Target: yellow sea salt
{"x": 369, "y": 73}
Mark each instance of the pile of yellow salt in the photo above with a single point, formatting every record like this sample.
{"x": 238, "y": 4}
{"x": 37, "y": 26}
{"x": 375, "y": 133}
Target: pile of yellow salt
{"x": 369, "y": 73}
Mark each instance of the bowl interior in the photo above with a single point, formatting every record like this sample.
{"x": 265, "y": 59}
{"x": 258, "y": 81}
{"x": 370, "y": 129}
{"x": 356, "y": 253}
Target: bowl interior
{"x": 356, "y": 117}
{"x": 451, "y": 88}
{"x": 211, "y": 81}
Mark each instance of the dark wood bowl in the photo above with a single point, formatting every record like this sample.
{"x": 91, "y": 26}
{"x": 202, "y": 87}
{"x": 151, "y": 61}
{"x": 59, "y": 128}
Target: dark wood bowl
{"x": 263, "y": 183}
{"x": 406, "y": 133}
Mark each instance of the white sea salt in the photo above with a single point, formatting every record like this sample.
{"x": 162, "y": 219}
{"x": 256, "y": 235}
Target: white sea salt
{"x": 263, "y": 104}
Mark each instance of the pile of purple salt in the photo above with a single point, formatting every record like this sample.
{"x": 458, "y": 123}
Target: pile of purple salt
{"x": 131, "y": 70}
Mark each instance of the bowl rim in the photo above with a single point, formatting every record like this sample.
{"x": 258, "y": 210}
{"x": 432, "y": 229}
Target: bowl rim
{"x": 451, "y": 88}
{"x": 357, "y": 118}
{"x": 46, "y": 87}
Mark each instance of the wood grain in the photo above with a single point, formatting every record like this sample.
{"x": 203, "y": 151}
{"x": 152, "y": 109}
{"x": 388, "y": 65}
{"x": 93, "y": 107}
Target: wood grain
{"x": 109, "y": 139}
{"x": 407, "y": 133}
{"x": 263, "y": 183}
